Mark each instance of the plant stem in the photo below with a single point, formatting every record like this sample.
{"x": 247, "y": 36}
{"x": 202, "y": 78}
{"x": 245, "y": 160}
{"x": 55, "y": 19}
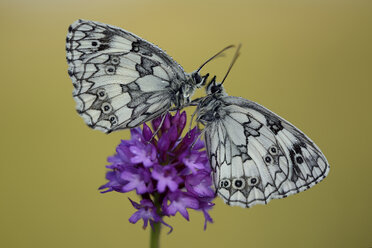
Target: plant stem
{"x": 155, "y": 231}
{"x": 155, "y": 235}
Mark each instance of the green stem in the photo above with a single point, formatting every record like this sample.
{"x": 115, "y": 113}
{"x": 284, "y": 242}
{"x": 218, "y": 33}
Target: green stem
{"x": 155, "y": 231}
{"x": 155, "y": 235}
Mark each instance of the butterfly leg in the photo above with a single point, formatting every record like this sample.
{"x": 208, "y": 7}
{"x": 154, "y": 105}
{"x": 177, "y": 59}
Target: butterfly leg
{"x": 159, "y": 127}
{"x": 192, "y": 118}
{"x": 196, "y": 140}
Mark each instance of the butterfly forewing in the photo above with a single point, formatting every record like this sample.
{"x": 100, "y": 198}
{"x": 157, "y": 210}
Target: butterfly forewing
{"x": 256, "y": 155}
{"x": 120, "y": 80}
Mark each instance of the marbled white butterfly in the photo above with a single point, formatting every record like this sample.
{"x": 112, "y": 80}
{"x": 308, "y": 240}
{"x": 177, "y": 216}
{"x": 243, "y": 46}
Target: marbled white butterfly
{"x": 255, "y": 155}
{"x": 120, "y": 80}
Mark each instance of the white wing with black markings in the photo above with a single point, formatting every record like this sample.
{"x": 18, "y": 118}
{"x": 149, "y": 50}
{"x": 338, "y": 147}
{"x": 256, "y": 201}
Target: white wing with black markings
{"x": 120, "y": 80}
{"x": 256, "y": 155}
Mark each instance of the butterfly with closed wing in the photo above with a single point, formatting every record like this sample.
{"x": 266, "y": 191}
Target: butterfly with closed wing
{"x": 255, "y": 155}
{"x": 120, "y": 80}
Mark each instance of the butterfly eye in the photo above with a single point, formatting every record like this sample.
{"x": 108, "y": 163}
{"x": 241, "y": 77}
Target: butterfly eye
{"x": 106, "y": 108}
{"x": 299, "y": 159}
{"x": 238, "y": 183}
{"x": 215, "y": 88}
{"x": 253, "y": 181}
{"x": 273, "y": 150}
{"x": 101, "y": 93}
{"x": 110, "y": 69}
{"x": 197, "y": 78}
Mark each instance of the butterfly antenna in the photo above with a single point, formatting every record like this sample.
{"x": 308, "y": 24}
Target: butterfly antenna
{"x": 214, "y": 56}
{"x": 232, "y": 63}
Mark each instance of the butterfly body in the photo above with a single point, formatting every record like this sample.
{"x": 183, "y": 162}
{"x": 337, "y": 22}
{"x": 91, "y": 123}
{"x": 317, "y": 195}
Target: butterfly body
{"x": 256, "y": 155}
{"x": 120, "y": 80}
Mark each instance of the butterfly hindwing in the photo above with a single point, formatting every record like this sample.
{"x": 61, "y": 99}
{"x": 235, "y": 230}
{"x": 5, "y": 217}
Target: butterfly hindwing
{"x": 257, "y": 156}
{"x": 120, "y": 80}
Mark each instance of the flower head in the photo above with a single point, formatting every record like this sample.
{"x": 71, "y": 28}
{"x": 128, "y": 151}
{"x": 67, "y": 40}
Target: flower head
{"x": 171, "y": 173}
{"x": 146, "y": 212}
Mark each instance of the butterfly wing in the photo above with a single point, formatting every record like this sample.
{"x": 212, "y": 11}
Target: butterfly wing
{"x": 120, "y": 80}
{"x": 257, "y": 156}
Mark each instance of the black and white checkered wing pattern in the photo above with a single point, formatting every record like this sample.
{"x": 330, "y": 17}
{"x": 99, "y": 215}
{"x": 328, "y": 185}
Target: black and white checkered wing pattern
{"x": 120, "y": 80}
{"x": 257, "y": 156}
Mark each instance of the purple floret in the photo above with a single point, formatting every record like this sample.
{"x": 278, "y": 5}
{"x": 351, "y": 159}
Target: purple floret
{"x": 170, "y": 173}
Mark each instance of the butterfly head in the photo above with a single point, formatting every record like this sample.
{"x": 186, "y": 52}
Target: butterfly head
{"x": 198, "y": 80}
{"x": 214, "y": 88}
{"x": 194, "y": 80}
{"x": 210, "y": 108}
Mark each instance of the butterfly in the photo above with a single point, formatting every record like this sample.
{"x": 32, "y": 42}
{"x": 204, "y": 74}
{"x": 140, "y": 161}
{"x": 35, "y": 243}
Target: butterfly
{"x": 120, "y": 80}
{"x": 255, "y": 155}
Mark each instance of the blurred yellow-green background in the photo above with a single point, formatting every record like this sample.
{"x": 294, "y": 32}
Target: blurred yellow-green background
{"x": 308, "y": 61}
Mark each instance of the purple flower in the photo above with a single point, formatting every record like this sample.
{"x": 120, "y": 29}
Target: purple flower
{"x": 200, "y": 184}
{"x": 170, "y": 173}
{"x": 146, "y": 211}
{"x": 166, "y": 176}
{"x": 138, "y": 179}
{"x": 194, "y": 161}
{"x": 179, "y": 201}
{"x": 143, "y": 153}
{"x": 205, "y": 206}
